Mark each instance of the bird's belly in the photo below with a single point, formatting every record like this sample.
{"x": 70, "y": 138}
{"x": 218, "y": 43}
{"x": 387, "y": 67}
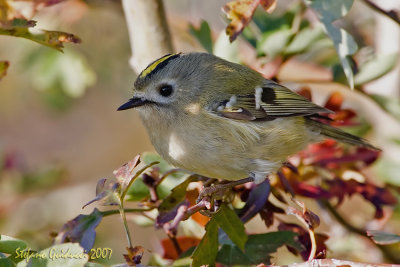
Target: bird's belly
{"x": 206, "y": 159}
{"x": 230, "y": 151}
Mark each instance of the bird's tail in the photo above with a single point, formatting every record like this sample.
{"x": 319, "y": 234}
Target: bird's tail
{"x": 337, "y": 134}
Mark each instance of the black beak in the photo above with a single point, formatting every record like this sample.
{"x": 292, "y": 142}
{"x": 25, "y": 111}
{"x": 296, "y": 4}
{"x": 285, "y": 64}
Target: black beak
{"x": 133, "y": 103}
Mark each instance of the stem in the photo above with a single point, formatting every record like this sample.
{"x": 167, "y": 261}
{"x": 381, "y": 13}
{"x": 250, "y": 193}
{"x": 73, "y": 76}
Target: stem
{"x": 192, "y": 210}
{"x": 112, "y": 212}
{"x": 176, "y": 244}
{"x": 128, "y": 234}
{"x": 390, "y": 14}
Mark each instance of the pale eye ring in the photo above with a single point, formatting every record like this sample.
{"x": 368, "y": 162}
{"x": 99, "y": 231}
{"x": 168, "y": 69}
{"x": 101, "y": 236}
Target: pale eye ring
{"x": 166, "y": 90}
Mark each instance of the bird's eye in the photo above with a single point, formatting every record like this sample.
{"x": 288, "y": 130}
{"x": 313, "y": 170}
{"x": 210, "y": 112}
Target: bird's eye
{"x": 166, "y": 90}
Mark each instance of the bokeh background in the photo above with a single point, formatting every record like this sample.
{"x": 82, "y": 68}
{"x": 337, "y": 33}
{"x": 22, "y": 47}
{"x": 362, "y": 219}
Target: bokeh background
{"x": 60, "y": 132}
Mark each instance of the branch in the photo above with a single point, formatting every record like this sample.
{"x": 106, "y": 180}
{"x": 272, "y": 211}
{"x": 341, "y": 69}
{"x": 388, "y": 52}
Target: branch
{"x": 148, "y": 31}
{"x": 390, "y": 14}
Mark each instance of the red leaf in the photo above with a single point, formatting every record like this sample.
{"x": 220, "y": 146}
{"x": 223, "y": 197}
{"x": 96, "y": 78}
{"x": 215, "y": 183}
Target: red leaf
{"x": 267, "y": 213}
{"x": 304, "y": 239}
{"x": 306, "y": 92}
{"x": 335, "y": 101}
{"x": 185, "y": 242}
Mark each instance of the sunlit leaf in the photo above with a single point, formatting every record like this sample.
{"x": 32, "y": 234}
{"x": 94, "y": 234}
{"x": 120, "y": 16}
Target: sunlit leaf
{"x": 383, "y": 238}
{"x": 3, "y": 68}
{"x": 240, "y": 13}
{"x": 81, "y": 229}
{"x": 206, "y": 252}
{"x": 345, "y": 46}
{"x": 258, "y": 248}
{"x": 375, "y": 68}
{"x": 53, "y": 39}
{"x": 232, "y": 225}
{"x": 203, "y": 35}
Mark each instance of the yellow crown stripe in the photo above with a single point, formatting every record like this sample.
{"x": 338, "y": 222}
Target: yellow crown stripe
{"x": 154, "y": 65}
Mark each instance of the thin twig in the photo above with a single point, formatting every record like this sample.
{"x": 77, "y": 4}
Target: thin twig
{"x": 113, "y": 212}
{"x": 176, "y": 244}
{"x": 128, "y": 234}
{"x": 193, "y": 209}
{"x": 390, "y": 14}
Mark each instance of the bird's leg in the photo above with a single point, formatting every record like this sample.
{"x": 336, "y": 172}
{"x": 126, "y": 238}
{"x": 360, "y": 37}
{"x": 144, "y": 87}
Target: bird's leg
{"x": 218, "y": 191}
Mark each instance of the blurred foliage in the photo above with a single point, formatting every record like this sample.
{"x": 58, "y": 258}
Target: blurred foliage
{"x": 60, "y": 77}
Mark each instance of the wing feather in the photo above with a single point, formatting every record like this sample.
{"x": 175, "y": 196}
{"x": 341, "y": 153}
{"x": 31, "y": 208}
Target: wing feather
{"x": 270, "y": 101}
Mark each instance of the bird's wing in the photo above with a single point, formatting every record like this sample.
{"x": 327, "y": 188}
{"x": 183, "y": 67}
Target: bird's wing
{"x": 269, "y": 101}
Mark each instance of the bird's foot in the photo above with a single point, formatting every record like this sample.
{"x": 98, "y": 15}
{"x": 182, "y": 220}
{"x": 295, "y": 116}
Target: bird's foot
{"x": 214, "y": 194}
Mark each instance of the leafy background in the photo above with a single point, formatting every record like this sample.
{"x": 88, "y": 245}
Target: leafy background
{"x": 60, "y": 133}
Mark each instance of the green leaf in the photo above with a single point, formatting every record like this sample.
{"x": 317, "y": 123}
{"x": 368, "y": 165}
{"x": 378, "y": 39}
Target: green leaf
{"x": 345, "y": 46}
{"x": 9, "y": 245}
{"x": 258, "y": 248}
{"x": 149, "y": 158}
{"x": 376, "y": 68}
{"x": 273, "y": 44}
{"x": 383, "y": 238}
{"x": 207, "y": 250}
{"x": 176, "y": 196}
{"x": 389, "y": 104}
{"x": 137, "y": 191}
{"x": 3, "y": 68}
{"x": 304, "y": 39}
{"x": 5, "y": 262}
{"x": 388, "y": 170}
{"x": 232, "y": 226}
{"x": 203, "y": 35}
{"x": 62, "y": 255}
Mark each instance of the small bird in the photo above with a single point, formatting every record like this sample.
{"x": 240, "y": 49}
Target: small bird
{"x": 224, "y": 120}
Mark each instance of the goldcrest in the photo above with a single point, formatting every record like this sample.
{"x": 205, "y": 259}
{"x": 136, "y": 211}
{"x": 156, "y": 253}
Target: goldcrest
{"x": 224, "y": 120}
